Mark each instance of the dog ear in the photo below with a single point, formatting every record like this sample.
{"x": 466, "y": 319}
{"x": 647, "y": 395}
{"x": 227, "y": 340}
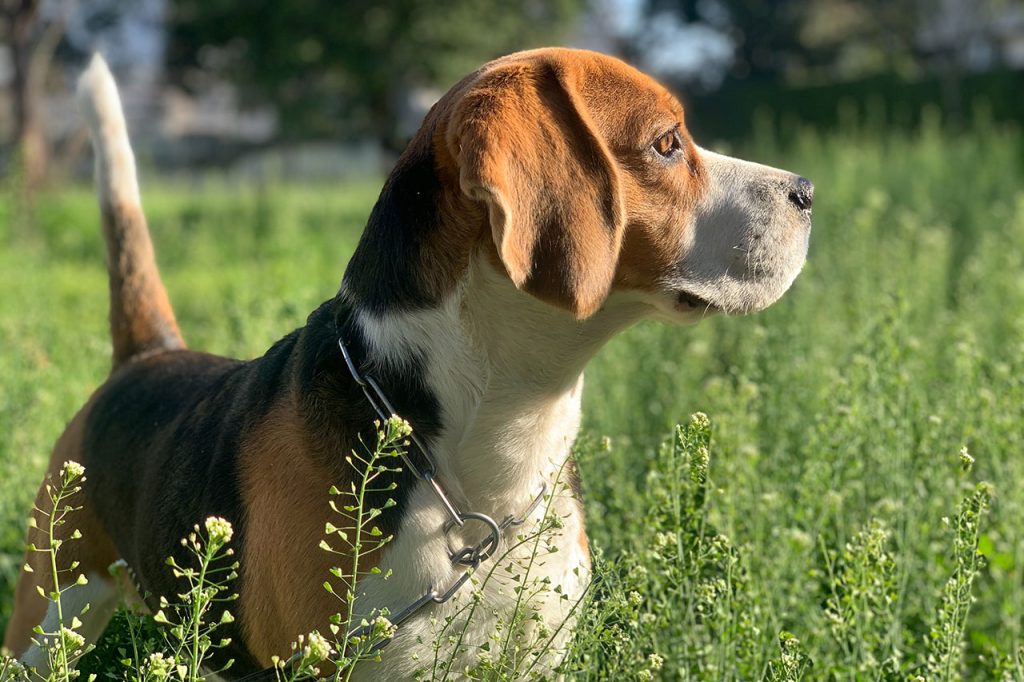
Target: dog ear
{"x": 526, "y": 147}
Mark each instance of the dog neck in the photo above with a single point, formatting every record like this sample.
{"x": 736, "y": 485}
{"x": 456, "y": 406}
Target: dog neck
{"x": 506, "y": 370}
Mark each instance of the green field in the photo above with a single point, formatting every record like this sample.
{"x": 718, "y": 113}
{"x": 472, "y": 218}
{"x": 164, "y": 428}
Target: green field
{"x": 834, "y": 508}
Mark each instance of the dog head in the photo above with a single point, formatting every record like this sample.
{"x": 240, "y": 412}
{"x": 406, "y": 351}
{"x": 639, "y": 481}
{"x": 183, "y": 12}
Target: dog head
{"x": 590, "y": 183}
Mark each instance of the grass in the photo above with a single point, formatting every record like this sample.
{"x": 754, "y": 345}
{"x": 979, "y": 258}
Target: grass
{"x": 837, "y": 531}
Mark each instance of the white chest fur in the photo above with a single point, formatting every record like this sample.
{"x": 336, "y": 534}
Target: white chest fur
{"x": 517, "y": 601}
{"x": 507, "y": 372}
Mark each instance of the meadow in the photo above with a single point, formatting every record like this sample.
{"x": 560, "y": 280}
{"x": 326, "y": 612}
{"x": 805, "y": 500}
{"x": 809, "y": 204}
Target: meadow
{"x": 853, "y": 508}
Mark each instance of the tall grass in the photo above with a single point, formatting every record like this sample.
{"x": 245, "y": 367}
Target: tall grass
{"x": 837, "y": 530}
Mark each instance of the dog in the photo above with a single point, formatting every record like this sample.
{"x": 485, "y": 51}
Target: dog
{"x": 550, "y": 200}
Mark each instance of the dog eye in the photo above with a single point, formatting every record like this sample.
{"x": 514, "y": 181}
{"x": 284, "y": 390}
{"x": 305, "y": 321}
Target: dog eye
{"x": 668, "y": 144}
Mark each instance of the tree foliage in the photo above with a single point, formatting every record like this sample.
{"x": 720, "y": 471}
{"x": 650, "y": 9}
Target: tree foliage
{"x": 802, "y": 41}
{"x": 339, "y": 68}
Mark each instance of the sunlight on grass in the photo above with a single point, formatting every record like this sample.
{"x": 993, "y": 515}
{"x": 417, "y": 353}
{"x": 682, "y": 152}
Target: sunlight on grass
{"x": 837, "y": 417}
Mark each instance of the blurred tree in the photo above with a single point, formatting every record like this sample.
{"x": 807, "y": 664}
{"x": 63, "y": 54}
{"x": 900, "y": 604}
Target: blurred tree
{"x": 804, "y": 45}
{"x": 799, "y": 40}
{"x": 345, "y": 67}
{"x": 32, "y": 42}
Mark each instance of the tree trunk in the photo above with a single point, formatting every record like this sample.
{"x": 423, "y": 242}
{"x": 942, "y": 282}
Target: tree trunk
{"x": 28, "y": 132}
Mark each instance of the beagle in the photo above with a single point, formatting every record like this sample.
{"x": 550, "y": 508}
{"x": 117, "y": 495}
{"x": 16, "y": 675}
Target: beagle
{"x": 550, "y": 200}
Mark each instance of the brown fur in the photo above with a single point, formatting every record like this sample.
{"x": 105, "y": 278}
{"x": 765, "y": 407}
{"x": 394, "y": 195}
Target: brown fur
{"x": 141, "y": 318}
{"x": 521, "y": 137}
{"x": 542, "y": 156}
{"x": 286, "y": 504}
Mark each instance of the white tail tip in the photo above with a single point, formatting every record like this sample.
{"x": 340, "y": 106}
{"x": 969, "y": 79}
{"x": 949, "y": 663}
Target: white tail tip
{"x": 101, "y": 105}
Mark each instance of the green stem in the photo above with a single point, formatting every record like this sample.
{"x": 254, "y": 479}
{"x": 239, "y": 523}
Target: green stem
{"x": 357, "y": 550}
{"x": 197, "y": 607}
{"x": 62, "y": 654}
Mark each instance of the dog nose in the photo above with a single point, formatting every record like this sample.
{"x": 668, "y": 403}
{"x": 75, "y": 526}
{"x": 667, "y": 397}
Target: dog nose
{"x": 802, "y": 195}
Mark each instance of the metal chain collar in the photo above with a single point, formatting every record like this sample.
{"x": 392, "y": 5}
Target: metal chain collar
{"x": 470, "y": 556}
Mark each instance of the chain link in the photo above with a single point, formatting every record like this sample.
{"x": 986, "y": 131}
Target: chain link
{"x": 382, "y": 406}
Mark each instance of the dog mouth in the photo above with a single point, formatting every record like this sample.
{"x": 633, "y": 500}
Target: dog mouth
{"x": 687, "y": 301}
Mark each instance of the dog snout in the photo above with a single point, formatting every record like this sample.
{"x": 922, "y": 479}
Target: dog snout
{"x": 801, "y": 194}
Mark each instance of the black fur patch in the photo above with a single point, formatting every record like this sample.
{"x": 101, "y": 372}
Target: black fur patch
{"x": 384, "y": 273}
{"x": 162, "y": 442}
{"x": 328, "y": 378}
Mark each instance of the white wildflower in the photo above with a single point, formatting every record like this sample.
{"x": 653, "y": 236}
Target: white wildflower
{"x": 71, "y": 470}
{"x": 400, "y": 427}
{"x": 966, "y": 460}
{"x": 71, "y": 640}
{"x": 159, "y": 667}
{"x": 318, "y": 647}
{"x": 219, "y": 530}
{"x": 383, "y": 627}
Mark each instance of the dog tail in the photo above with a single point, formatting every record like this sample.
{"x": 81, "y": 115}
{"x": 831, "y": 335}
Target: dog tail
{"x": 141, "y": 318}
